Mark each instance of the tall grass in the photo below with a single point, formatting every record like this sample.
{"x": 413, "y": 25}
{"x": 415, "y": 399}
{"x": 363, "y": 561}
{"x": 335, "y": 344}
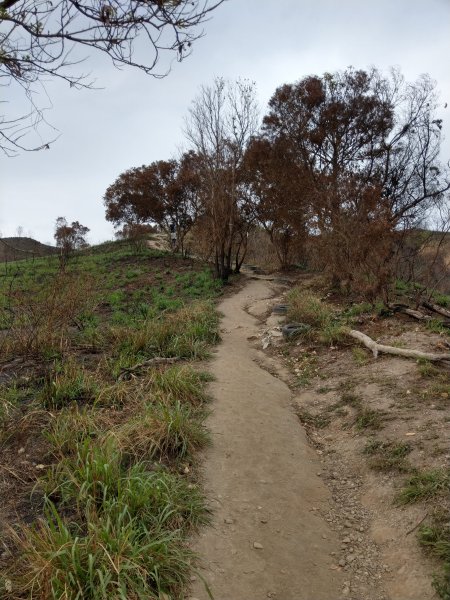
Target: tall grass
{"x": 118, "y": 505}
{"x": 164, "y": 432}
{"x": 187, "y": 333}
{"x": 40, "y": 319}
{"x": 112, "y": 556}
{"x": 305, "y": 307}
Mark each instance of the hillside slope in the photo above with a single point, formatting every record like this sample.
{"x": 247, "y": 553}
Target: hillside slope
{"x": 16, "y": 248}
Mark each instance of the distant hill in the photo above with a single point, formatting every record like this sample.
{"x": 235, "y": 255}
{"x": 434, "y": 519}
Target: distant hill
{"x": 18, "y": 248}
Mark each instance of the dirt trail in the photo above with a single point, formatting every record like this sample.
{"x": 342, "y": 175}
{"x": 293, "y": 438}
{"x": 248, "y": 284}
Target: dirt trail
{"x": 267, "y": 539}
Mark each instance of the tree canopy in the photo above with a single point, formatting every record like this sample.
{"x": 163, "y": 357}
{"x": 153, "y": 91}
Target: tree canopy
{"x": 342, "y": 164}
{"x": 164, "y": 193}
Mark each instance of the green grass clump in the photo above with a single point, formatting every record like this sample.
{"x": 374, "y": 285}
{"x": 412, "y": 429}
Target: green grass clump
{"x": 436, "y": 326}
{"x": 435, "y": 538}
{"x": 360, "y": 356}
{"x": 70, "y": 428}
{"x": 186, "y": 333}
{"x": 388, "y": 456}
{"x": 112, "y": 556}
{"x": 331, "y": 333}
{"x": 368, "y": 418}
{"x": 422, "y": 486}
{"x": 359, "y": 309}
{"x": 164, "y": 431}
{"x": 10, "y": 398}
{"x": 97, "y": 475}
{"x": 182, "y": 383}
{"x": 68, "y": 383}
{"x": 305, "y": 307}
{"x": 428, "y": 369}
{"x": 93, "y": 471}
{"x": 442, "y": 299}
{"x": 319, "y": 421}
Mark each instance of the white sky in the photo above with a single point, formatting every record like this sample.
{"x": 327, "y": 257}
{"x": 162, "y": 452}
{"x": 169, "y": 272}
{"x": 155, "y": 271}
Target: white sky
{"x": 137, "y": 119}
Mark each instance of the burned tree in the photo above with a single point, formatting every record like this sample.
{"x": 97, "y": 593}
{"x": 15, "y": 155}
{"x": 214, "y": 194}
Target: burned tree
{"x": 164, "y": 193}
{"x": 370, "y": 145}
{"x": 221, "y": 121}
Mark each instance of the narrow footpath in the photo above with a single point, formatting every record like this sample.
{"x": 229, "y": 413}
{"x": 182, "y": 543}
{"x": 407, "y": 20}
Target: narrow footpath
{"x": 267, "y": 539}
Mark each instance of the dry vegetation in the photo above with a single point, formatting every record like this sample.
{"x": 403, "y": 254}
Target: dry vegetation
{"x": 379, "y": 422}
{"x": 97, "y": 440}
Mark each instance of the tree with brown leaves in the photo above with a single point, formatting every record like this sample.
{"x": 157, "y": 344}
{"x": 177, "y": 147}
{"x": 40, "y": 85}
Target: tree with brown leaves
{"x": 164, "y": 193}
{"x": 69, "y": 238}
{"x": 370, "y": 145}
{"x": 280, "y": 194}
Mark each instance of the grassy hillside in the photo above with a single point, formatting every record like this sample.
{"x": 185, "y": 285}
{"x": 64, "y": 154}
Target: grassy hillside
{"x": 102, "y": 404}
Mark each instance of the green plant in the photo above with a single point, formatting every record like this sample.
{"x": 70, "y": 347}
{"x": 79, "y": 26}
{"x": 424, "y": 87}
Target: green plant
{"x": 388, "y": 456}
{"x": 164, "y": 431}
{"x": 368, "y": 418}
{"x": 435, "y": 538}
{"x": 436, "y": 326}
{"x": 67, "y": 384}
{"x": 331, "y": 333}
{"x": 319, "y": 421}
{"x": 93, "y": 471}
{"x": 442, "y": 299}
{"x": 10, "y": 397}
{"x": 360, "y": 356}
{"x": 71, "y": 427}
{"x": 358, "y": 309}
{"x": 307, "y": 308}
{"x": 113, "y": 556}
{"x": 176, "y": 383}
{"x": 422, "y": 486}
{"x": 427, "y": 368}
{"x": 186, "y": 333}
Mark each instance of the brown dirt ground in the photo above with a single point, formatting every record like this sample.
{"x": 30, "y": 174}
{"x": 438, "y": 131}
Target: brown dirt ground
{"x": 330, "y": 528}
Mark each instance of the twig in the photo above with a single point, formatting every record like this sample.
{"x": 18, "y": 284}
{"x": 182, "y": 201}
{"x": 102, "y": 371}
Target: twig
{"x": 158, "y": 360}
{"x": 13, "y": 473}
{"x": 418, "y": 524}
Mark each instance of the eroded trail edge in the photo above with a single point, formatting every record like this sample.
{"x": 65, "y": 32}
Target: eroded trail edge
{"x": 267, "y": 538}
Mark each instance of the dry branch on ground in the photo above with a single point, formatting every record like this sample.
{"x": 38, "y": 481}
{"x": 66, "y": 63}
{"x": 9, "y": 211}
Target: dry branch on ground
{"x": 405, "y": 352}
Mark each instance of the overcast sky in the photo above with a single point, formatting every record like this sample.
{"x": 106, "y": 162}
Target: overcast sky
{"x": 136, "y": 119}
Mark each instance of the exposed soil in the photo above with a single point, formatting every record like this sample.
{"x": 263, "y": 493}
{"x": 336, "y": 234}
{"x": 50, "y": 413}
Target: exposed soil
{"x": 298, "y": 510}
{"x": 268, "y": 537}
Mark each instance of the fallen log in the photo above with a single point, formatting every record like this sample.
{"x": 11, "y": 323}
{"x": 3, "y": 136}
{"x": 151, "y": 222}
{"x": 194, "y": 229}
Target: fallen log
{"x": 377, "y": 348}
{"x": 420, "y": 316}
{"x": 151, "y": 362}
{"x": 415, "y": 314}
{"x": 436, "y": 308}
